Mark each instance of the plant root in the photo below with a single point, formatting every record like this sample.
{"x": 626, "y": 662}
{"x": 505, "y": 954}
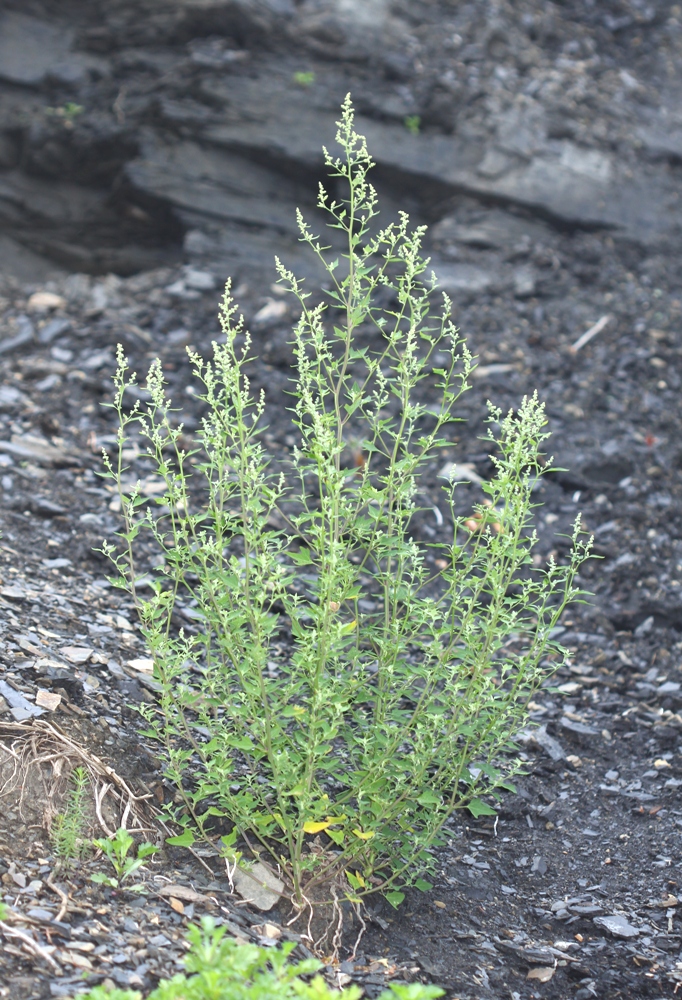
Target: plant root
{"x": 41, "y": 746}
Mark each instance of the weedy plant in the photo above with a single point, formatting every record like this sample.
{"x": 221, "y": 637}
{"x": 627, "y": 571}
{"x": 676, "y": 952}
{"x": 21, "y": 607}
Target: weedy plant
{"x": 116, "y": 850}
{"x": 68, "y": 833}
{"x": 222, "y": 969}
{"x": 348, "y": 688}
{"x": 412, "y": 124}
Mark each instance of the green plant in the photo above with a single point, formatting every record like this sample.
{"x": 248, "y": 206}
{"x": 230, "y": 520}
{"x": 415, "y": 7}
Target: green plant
{"x": 413, "y": 124}
{"x": 222, "y": 969}
{"x": 348, "y": 688}
{"x": 67, "y": 112}
{"x": 68, "y": 828}
{"x": 116, "y": 850}
{"x": 304, "y": 78}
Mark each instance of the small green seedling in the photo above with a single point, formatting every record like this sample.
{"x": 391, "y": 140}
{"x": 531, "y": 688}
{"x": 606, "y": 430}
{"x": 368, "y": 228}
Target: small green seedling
{"x": 67, "y": 112}
{"x": 68, "y": 829}
{"x": 304, "y": 79}
{"x": 413, "y": 124}
{"x": 116, "y": 849}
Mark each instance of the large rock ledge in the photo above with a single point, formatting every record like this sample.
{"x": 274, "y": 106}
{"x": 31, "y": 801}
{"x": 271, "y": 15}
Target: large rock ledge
{"x": 193, "y": 130}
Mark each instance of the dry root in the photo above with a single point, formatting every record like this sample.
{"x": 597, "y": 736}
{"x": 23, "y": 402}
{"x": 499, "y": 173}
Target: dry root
{"x": 36, "y": 760}
{"x": 327, "y": 913}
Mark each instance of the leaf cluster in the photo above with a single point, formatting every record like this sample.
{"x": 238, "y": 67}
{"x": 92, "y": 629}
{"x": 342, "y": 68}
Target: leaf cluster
{"x": 116, "y": 850}
{"x": 220, "y": 968}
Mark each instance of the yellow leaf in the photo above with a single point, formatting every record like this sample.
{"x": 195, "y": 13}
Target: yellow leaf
{"x": 312, "y": 827}
{"x": 176, "y": 905}
{"x": 364, "y": 836}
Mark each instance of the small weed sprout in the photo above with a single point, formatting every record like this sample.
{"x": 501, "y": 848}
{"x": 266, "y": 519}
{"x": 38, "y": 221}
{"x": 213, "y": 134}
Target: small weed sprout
{"x": 413, "y": 124}
{"x": 68, "y": 113}
{"x": 116, "y": 850}
{"x": 68, "y": 828}
{"x": 304, "y": 78}
{"x": 348, "y": 688}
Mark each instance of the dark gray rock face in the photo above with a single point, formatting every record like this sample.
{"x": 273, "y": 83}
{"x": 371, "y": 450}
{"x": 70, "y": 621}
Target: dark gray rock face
{"x": 194, "y": 128}
{"x": 33, "y": 50}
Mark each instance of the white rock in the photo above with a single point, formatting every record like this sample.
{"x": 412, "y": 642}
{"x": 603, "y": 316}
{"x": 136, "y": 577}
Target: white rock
{"x": 259, "y": 886}
{"x": 45, "y": 301}
{"x": 143, "y": 664}
{"x": 270, "y": 313}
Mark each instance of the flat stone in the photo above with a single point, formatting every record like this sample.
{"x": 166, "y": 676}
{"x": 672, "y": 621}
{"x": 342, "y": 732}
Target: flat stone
{"x": 32, "y": 50}
{"x": 59, "y": 563}
{"x": 495, "y": 230}
{"x": 579, "y": 728}
{"x": 216, "y": 184}
{"x": 25, "y": 335}
{"x": 48, "y": 700}
{"x": 77, "y": 654}
{"x": 44, "y": 302}
{"x": 53, "y": 329}
{"x": 142, "y": 664}
{"x": 10, "y": 397}
{"x": 259, "y": 886}
{"x": 464, "y": 279}
{"x": 36, "y": 450}
{"x": 183, "y": 892}
{"x": 21, "y": 708}
{"x": 548, "y": 743}
{"x": 616, "y": 925}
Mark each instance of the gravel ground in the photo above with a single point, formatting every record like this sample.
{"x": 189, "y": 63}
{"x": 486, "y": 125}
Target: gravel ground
{"x": 573, "y": 892}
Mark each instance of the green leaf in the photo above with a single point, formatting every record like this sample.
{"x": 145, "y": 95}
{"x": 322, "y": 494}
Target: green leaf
{"x": 302, "y": 557}
{"x": 101, "y": 879}
{"x": 479, "y": 808}
{"x": 423, "y": 885}
{"x": 429, "y": 798}
{"x": 395, "y": 898}
{"x": 185, "y": 839}
{"x": 146, "y": 850}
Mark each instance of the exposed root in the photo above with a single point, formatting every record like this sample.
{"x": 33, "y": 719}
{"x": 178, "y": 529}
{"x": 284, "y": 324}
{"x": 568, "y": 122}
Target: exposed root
{"x": 29, "y": 945}
{"x": 326, "y": 920}
{"x": 62, "y": 896}
{"x": 41, "y": 746}
{"x": 357, "y": 908}
{"x": 338, "y": 929}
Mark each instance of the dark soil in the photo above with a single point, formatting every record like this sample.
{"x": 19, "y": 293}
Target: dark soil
{"x": 594, "y": 829}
